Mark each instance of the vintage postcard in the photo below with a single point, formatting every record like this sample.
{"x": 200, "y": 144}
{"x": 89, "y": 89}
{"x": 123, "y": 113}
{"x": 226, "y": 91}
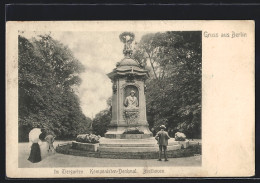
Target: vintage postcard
{"x": 130, "y": 99}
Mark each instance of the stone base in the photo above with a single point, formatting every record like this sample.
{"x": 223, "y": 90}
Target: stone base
{"x": 118, "y": 133}
{"x": 128, "y": 136}
{"x": 136, "y": 149}
{"x": 147, "y": 145}
{"x": 84, "y": 146}
{"x": 140, "y": 145}
{"x": 184, "y": 152}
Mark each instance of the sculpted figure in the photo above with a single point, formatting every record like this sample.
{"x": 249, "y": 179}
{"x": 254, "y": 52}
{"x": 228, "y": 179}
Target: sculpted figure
{"x": 131, "y": 101}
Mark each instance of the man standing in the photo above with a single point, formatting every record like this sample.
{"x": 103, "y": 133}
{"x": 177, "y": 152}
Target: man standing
{"x": 162, "y": 139}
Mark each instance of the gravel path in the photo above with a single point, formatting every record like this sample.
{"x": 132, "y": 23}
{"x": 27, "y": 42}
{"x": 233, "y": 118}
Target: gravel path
{"x": 62, "y": 160}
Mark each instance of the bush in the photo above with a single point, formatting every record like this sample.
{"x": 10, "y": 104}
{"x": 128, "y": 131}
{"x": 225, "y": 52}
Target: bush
{"x": 88, "y": 138}
{"x": 180, "y": 136}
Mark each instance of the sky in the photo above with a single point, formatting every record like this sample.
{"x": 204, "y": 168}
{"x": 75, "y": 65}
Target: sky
{"x": 98, "y": 52}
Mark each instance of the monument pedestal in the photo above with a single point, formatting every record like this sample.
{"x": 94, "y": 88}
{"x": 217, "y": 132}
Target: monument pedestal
{"x": 140, "y": 145}
{"x": 127, "y": 149}
{"x": 128, "y": 136}
{"x": 119, "y": 132}
{"x": 128, "y": 97}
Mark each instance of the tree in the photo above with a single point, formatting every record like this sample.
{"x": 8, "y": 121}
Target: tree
{"x": 174, "y": 89}
{"x": 48, "y": 75}
{"x": 101, "y": 122}
{"x": 102, "y": 119}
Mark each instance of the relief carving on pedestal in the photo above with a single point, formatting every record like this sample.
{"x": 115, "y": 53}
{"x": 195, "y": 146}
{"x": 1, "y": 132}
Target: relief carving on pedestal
{"x": 131, "y": 116}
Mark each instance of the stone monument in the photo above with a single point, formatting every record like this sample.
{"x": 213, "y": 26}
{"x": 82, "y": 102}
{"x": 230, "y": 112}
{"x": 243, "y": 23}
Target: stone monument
{"x": 128, "y": 99}
{"x": 128, "y": 135}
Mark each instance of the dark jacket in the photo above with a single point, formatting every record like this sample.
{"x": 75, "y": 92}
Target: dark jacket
{"x": 162, "y": 138}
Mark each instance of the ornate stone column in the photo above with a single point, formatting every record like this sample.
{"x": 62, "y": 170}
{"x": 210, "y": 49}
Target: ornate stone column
{"x": 128, "y": 100}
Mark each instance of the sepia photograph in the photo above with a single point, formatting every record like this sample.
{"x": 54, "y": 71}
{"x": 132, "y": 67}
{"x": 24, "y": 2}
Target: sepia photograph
{"x": 97, "y": 99}
{"x": 130, "y": 99}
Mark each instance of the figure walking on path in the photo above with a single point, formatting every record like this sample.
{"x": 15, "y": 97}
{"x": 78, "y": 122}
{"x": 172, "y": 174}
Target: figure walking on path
{"x": 162, "y": 139}
{"x": 50, "y": 139}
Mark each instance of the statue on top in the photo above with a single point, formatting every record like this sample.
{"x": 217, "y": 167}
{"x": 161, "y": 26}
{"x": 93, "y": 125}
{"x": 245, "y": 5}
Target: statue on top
{"x": 127, "y": 38}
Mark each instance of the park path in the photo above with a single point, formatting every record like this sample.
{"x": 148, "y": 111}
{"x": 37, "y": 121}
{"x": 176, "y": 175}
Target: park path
{"x": 62, "y": 160}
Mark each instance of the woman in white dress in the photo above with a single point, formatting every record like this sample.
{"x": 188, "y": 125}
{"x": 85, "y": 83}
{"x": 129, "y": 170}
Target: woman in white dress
{"x": 35, "y": 154}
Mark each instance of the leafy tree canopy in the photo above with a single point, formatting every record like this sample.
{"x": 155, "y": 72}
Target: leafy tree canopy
{"x": 174, "y": 89}
{"x": 48, "y": 78}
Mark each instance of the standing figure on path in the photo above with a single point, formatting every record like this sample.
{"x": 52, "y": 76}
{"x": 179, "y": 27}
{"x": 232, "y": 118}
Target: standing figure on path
{"x": 162, "y": 139}
{"x": 35, "y": 154}
{"x": 50, "y": 139}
